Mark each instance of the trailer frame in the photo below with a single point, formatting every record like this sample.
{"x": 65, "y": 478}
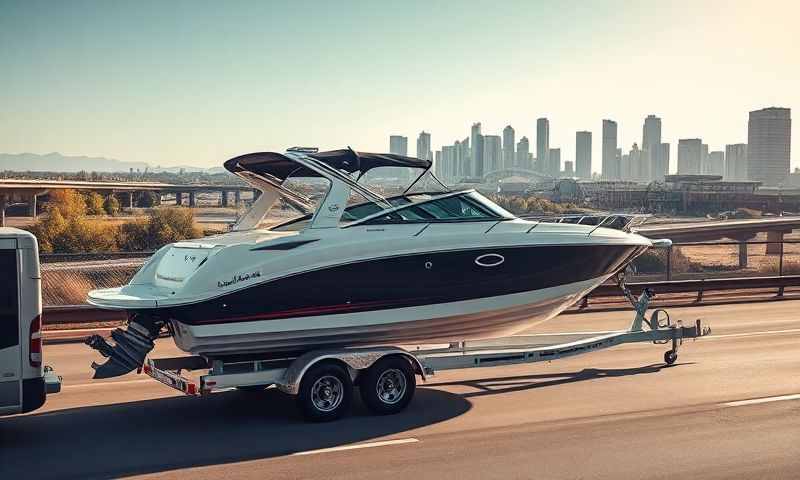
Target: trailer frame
{"x": 289, "y": 373}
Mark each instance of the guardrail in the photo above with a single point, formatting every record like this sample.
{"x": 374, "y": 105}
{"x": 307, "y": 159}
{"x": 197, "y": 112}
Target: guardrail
{"x": 774, "y": 286}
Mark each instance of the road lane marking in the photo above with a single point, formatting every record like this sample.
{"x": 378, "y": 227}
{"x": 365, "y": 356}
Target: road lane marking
{"x": 107, "y": 384}
{"x": 756, "y": 401}
{"x": 79, "y": 330}
{"x": 357, "y": 446}
{"x": 752, "y": 334}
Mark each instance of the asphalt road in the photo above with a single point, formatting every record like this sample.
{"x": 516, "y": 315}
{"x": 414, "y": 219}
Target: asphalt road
{"x": 613, "y": 414}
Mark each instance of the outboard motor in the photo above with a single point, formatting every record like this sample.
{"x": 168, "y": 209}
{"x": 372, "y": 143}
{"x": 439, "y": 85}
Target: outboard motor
{"x": 132, "y": 344}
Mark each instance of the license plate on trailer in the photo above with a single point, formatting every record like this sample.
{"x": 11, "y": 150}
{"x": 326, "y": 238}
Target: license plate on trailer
{"x": 172, "y": 380}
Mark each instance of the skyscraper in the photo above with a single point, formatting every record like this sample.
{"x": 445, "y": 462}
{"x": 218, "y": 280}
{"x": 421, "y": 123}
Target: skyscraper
{"x": 769, "y": 139}
{"x": 704, "y": 159}
{"x": 476, "y": 153}
{"x": 611, "y": 170}
{"x": 542, "y": 145}
{"x": 555, "y": 162}
{"x": 464, "y": 168}
{"x": 508, "y": 147}
{"x": 715, "y": 163}
{"x": 523, "y": 152}
{"x": 492, "y": 156}
{"x": 651, "y": 139}
{"x": 424, "y": 146}
{"x": 568, "y": 169}
{"x": 736, "y": 162}
{"x": 690, "y": 154}
{"x": 661, "y": 166}
{"x": 398, "y": 145}
{"x": 583, "y": 154}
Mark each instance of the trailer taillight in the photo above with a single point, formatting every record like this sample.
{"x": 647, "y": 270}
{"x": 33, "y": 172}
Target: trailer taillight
{"x": 35, "y": 348}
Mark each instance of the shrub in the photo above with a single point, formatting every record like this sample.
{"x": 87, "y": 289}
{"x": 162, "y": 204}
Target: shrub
{"x": 162, "y": 226}
{"x": 111, "y": 205}
{"x": 69, "y": 203}
{"x": 146, "y": 200}
{"x": 94, "y": 204}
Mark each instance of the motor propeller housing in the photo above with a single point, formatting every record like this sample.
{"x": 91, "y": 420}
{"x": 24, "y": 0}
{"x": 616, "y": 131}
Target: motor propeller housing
{"x": 131, "y": 346}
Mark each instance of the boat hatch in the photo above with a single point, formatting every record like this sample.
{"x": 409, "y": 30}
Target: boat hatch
{"x": 179, "y": 263}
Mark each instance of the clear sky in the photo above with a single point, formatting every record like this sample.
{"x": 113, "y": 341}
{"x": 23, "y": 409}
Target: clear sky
{"x": 194, "y": 82}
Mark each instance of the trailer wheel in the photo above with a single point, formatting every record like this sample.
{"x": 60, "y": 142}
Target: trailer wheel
{"x": 326, "y": 392}
{"x": 388, "y": 385}
{"x": 670, "y": 356}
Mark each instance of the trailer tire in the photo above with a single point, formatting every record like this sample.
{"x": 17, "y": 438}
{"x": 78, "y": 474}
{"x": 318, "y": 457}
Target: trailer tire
{"x": 326, "y": 392}
{"x": 388, "y": 385}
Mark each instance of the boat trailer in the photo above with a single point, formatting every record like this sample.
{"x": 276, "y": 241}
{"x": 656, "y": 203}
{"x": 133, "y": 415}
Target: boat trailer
{"x": 323, "y": 380}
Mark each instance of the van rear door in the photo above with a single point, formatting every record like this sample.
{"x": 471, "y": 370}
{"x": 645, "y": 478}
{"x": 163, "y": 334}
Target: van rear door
{"x": 10, "y": 350}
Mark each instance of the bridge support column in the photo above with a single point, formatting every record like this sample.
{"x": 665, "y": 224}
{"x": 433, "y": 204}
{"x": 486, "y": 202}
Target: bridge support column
{"x": 742, "y": 254}
{"x": 3, "y": 203}
{"x": 192, "y": 199}
{"x": 237, "y": 198}
{"x": 129, "y": 199}
{"x": 178, "y": 198}
{"x": 32, "y": 206}
{"x": 776, "y": 239}
{"x": 224, "y": 198}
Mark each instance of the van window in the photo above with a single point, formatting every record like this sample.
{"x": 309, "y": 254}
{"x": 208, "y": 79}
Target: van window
{"x": 9, "y": 303}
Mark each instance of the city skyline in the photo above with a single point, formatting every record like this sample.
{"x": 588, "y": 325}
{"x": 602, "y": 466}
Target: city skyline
{"x": 647, "y": 160}
{"x": 156, "y": 83}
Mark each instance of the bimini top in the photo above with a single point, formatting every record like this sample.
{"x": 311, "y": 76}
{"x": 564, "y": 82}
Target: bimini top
{"x": 280, "y": 166}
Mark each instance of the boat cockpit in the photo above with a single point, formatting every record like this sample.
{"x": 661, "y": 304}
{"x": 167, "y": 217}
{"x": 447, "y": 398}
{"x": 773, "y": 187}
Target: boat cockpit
{"x": 344, "y": 188}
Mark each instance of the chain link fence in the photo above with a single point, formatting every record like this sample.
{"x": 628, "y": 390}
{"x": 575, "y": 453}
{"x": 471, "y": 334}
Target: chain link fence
{"x": 68, "y": 282}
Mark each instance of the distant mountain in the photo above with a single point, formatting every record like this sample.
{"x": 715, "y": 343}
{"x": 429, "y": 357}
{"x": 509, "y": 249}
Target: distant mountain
{"x": 56, "y": 162}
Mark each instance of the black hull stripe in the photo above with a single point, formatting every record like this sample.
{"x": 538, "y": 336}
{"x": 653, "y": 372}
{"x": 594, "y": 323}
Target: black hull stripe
{"x": 409, "y": 281}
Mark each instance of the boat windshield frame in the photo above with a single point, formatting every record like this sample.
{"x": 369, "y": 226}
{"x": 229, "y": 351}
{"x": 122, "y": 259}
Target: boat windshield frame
{"x": 324, "y": 170}
{"x": 500, "y": 215}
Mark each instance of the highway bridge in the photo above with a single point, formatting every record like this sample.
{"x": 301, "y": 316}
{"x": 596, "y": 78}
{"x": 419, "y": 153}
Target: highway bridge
{"x": 740, "y": 230}
{"x": 727, "y": 409}
{"x": 16, "y": 191}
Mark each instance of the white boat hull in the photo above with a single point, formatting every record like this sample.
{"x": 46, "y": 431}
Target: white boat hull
{"x": 483, "y": 318}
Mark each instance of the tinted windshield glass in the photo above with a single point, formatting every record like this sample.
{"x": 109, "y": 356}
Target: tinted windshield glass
{"x": 451, "y": 208}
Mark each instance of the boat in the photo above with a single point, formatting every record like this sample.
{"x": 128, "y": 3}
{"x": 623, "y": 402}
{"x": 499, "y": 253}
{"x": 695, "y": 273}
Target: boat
{"x": 373, "y": 256}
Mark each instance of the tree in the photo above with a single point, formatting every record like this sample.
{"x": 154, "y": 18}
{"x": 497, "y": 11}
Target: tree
{"x": 68, "y": 202}
{"x": 94, "y": 204}
{"x": 147, "y": 200}
{"x": 111, "y": 205}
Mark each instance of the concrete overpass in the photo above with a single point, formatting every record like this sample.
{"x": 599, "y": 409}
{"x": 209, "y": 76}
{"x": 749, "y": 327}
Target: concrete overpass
{"x": 17, "y": 191}
{"x": 738, "y": 230}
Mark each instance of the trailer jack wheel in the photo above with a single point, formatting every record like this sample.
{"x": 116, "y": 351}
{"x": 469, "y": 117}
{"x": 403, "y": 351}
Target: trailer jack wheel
{"x": 670, "y": 356}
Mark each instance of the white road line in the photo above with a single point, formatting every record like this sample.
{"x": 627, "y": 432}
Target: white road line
{"x": 751, "y": 334}
{"x": 756, "y": 401}
{"x": 358, "y": 445}
{"x": 108, "y": 384}
{"x": 79, "y": 330}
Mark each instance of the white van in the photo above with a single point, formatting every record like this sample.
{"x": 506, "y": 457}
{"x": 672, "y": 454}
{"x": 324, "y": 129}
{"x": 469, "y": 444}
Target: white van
{"x": 24, "y": 381}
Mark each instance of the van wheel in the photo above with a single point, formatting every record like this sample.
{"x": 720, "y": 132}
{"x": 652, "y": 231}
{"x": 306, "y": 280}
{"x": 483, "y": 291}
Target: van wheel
{"x": 326, "y": 393}
{"x": 388, "y": 385}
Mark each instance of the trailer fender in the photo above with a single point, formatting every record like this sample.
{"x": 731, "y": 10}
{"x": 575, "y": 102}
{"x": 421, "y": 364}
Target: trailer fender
{"x": 356, "y": 359}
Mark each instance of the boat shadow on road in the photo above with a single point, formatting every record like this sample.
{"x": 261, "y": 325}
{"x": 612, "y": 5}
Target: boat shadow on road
{"x": 498, "y": 385}
{"x": 150, "y": 436}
